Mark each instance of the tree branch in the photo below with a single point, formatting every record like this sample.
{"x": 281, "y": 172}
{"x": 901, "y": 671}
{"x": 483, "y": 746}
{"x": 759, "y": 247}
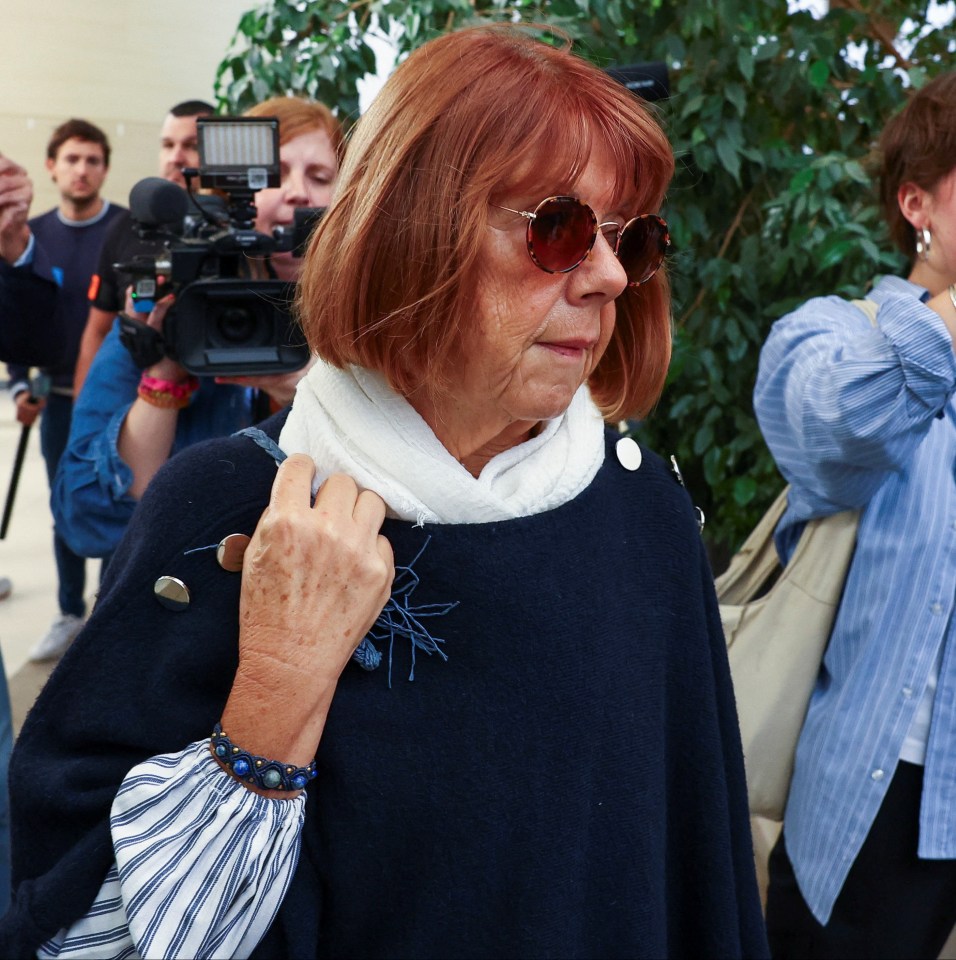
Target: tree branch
{"x": 881, "y": 30}
{"x": 310, "y": 30}
{"x": 724, "y": 245}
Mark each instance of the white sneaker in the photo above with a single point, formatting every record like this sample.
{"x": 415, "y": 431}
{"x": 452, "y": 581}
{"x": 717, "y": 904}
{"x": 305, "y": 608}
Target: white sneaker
{"x": 60, "y": 635}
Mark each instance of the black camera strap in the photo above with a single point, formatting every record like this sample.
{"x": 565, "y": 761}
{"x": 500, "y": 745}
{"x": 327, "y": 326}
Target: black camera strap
{"x": 145, "y": 345}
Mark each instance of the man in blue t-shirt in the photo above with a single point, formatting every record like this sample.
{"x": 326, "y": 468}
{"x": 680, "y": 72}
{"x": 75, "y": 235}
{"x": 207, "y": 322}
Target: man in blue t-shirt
{"x": 45, "y": 267}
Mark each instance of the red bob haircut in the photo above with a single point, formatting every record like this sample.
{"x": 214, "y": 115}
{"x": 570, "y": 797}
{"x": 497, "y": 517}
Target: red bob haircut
{"x": 391, "y": 273}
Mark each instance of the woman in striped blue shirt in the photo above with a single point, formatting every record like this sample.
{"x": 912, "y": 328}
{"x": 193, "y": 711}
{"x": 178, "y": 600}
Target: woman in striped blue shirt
{"x": 861, "y": 415}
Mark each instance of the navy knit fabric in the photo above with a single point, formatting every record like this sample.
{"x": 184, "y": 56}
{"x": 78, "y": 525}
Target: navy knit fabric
{"x": 568, "y": 783}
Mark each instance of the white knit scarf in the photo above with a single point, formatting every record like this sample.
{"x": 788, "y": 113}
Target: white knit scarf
{"x": 351, "y": 421}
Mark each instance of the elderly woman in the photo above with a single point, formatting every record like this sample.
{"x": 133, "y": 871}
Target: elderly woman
{"x": 469, "y": 694}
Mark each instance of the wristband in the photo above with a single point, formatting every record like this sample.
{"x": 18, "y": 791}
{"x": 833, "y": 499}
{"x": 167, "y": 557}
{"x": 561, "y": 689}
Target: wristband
{"x": 263, "y": 773}
{"x": 168, "y": 394}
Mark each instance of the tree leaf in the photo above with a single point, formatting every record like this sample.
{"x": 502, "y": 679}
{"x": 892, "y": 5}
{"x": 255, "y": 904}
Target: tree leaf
{"x": 819, "y": 74}
{"x": 729, "y": 157}
{"x": 745, "y": 489}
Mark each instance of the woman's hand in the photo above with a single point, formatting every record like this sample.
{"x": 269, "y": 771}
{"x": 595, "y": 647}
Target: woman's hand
{"x": 16, "y": 195}
{"x": 148, "y": 432}
{"x": 314, "y": 580}
{"x": 279, "y": 386}
{"x": 165, "y": 369}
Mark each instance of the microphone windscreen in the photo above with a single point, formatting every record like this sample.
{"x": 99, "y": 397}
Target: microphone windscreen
{"x": 155, "y": 202}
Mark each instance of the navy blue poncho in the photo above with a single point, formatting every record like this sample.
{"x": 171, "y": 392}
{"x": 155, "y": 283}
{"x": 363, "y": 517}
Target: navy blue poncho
{"x": 568, "y": 783}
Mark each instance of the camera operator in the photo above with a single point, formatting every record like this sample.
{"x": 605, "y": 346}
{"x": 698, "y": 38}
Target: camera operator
{"x": 128, "y": 421}
{"x": 107, "y": 289}
{"x": 307, "y": 171}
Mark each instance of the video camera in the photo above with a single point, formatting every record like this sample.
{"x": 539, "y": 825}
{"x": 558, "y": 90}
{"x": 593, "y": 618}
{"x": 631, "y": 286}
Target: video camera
{"x": 223, "y": 323}
{"x": 649, "y": 80}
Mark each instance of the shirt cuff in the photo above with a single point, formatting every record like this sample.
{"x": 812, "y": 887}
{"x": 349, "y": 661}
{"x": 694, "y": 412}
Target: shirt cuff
{"x": 203, "y": 862}
{"x": 26, "y": 257}
{"x": 923, "y": 344}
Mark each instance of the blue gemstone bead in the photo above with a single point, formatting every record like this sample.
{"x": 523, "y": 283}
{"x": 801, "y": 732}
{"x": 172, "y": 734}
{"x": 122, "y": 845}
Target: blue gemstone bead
{"x": 299, "y": 781}
{"x": 221, "y": 750}
{"x": 241, "y": 768}
{"x": 272, "y": 779}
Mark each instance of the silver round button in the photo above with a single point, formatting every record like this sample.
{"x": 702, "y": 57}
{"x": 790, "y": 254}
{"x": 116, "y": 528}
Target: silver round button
{"x": 231, "y": 550}
{"x": 171, "y": 593}
{"x": 628, "y": 453}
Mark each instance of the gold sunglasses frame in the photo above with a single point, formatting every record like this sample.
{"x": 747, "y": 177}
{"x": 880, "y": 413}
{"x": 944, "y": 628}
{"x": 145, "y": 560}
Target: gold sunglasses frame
{"x": 532, "y": 215}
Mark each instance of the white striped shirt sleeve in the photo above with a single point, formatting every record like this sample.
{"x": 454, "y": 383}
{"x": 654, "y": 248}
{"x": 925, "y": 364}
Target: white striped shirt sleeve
{"x": 202, "y": 865}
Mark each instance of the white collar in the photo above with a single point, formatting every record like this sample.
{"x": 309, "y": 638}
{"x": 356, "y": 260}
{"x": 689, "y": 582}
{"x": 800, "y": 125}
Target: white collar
{"x": 350, "y": 421}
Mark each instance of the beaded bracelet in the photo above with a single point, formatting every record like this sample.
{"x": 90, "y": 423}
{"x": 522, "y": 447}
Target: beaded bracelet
{"x": 265, "y": 774}
{"x": 167, "y": 394}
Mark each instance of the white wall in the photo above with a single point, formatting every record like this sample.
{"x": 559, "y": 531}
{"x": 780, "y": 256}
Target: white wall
{"x": 118, "y": 63}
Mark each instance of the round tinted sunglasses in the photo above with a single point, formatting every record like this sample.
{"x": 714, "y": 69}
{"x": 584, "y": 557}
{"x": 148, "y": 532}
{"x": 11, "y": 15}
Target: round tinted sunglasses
{"x": 562, "y": 231}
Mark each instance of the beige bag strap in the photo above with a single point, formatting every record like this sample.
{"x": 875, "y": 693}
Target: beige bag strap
{"x": 756, "y": 560}
{"x": 869, "y": 307}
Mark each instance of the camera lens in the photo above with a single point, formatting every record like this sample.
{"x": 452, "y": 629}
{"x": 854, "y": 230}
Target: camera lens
{"x": 225, "y": 326}
{"x": 238, "y": 325}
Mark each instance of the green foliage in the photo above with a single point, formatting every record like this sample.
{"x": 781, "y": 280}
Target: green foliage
{"x": 773, "y": 125}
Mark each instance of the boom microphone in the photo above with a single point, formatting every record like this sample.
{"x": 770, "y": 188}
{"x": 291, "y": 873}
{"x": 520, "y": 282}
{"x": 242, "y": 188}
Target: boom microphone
{"x": 155, "y": 202}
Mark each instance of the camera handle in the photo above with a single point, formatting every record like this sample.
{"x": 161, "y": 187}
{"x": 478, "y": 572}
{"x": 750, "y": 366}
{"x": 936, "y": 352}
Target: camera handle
{"x": 145, "y": 345}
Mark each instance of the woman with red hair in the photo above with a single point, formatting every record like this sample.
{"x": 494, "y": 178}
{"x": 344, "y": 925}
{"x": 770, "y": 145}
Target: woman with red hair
{"x": 469, "y": 695}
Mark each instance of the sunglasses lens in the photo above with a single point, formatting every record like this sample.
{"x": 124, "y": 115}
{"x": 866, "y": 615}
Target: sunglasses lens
{"x": 561, "y": 233}
{"x": 642, "y": 246}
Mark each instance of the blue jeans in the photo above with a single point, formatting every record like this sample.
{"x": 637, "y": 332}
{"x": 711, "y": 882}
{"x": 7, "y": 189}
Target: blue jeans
{"x": 70, "y": 568}
{"x": 6, "y": 745}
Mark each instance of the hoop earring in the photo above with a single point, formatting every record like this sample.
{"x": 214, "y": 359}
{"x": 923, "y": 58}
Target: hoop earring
{"x": 924, "y": 240}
